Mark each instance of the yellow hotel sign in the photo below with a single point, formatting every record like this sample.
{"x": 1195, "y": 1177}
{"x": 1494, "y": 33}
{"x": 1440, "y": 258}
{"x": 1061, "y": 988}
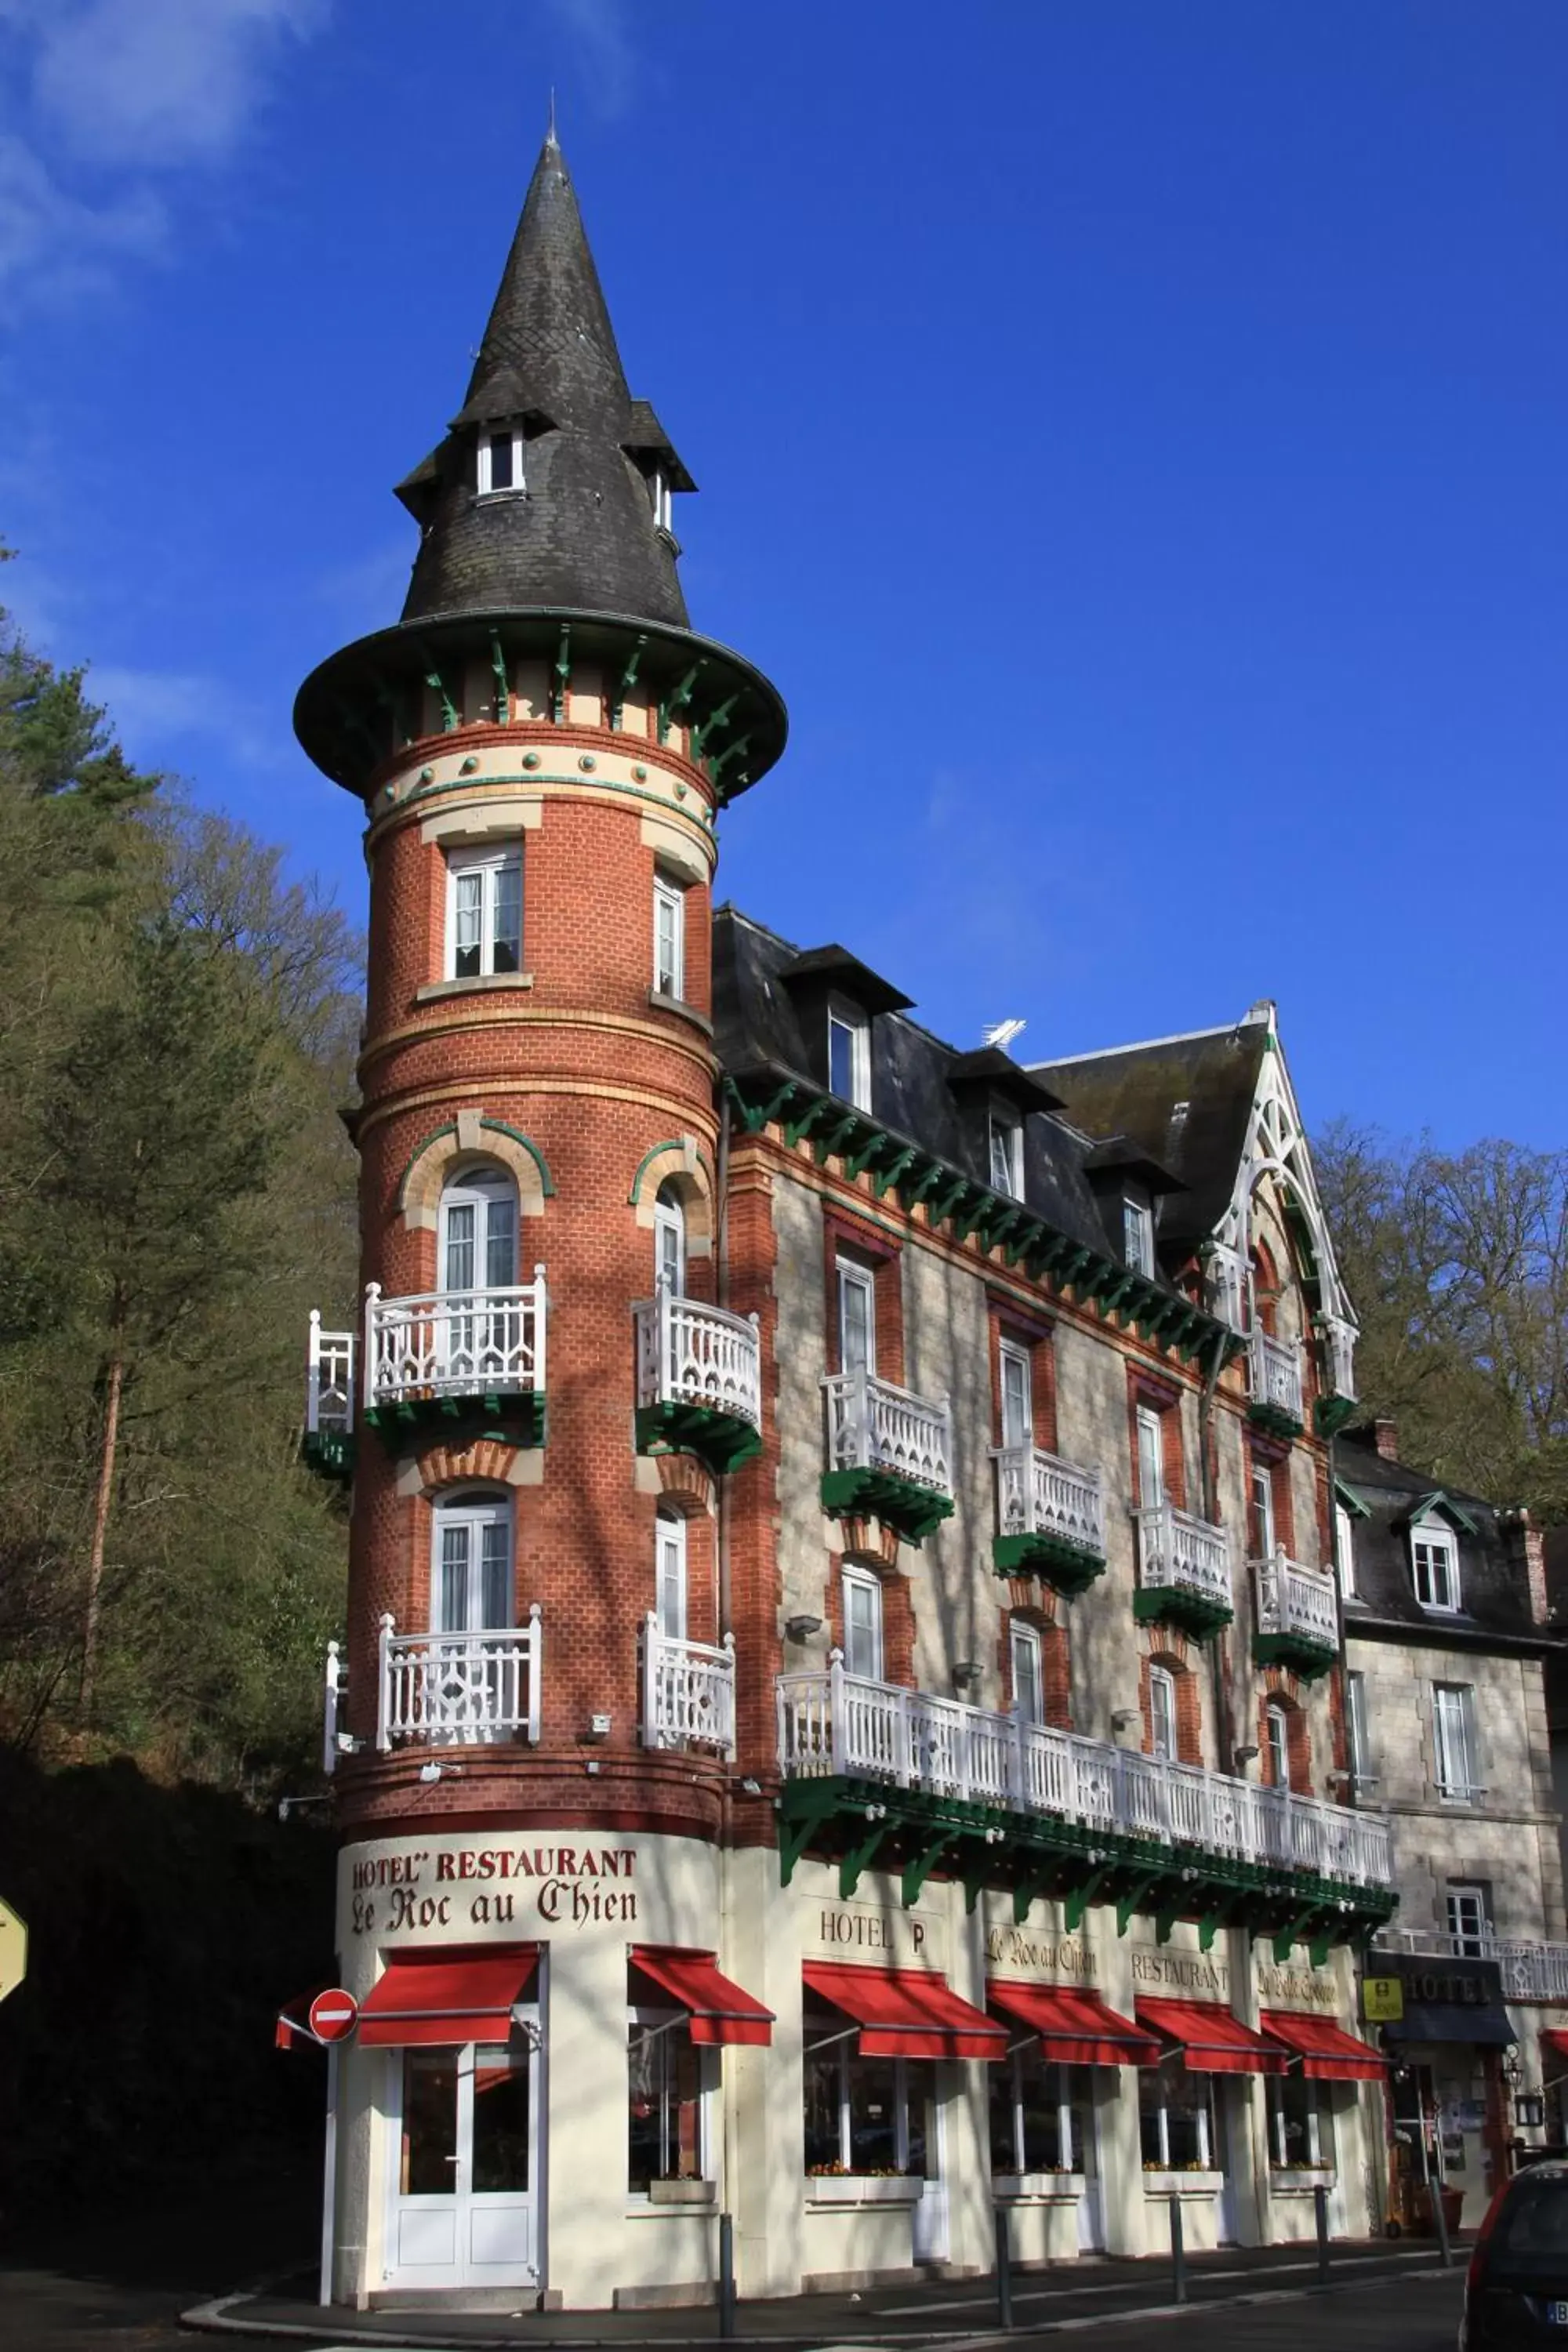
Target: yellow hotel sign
{"x": 12, "y": 1950}
{"x": 1382, "y": 2000}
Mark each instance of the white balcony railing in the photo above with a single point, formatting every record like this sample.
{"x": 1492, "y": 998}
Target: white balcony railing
{"x": 1339, "y": 1356}
{"x": 689, "y": 1353}
{"x": 448, "y": 1343}
{"x": 332, "y": 1708}
{"x": 1296, "y": 1599}
{"x": 1275, "y": 1373}
{"x": 1529, "y": 1971}
{"x": 1039, "y": 1494}
{"x": 688, "y": 1691}
{"x": 452, "y": 1689}
{"x": 1183, "y": 1554}
{"x": 850, "y": 1727}
{"x": 1225, "y": 1285}
{"x": 872, "y": 1425}
{"x": 328, "y": 1381}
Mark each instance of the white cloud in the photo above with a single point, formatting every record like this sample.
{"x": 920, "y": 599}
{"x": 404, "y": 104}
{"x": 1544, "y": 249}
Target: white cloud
{"x": 130, "y": 93}
{"x": 152, "y": 712}
{"x": 601, "y": 31}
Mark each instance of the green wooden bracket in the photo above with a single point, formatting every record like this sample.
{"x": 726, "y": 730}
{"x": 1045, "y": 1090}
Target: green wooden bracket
{"x": 1317, "y": 1949}
{"x": 1128, "y": 1901}
{"x": 1112, "y": 1294}
{"x": 1166, "y": 1919}
{"x": 976, "y": 1878}
{"x": 926, "y": 1181}
{"x": 736, "y": 749}
{"x": 823, "y": 1146}
{"x": 624, "y": 683}
{"x": 560, "y": 675}
{"x": 503, "y": 691}
{"x": 1078, "y": 1259}
{"x": 938, "y": 1208}
{"x": 763, "y": 1113}
{"x": 856, "y": 1162}
{"x": 998, "y": 1221}
{"x": 916, "y": 1872}
{"x": 437, "y": 686}
{"x": 793, "y": 1838}
{"x": 1037, "y": 1883}
{"x": 720, "y": 717}
{"x": 882, "y": 1178}
{"x": 1079, "y": 1901}
{"x": 804, "y": 1118}
{"x": 859, "y": 1858}
{"x": 1293, "y": 1934}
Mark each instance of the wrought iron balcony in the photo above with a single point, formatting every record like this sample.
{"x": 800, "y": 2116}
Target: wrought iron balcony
{"x": 459, "y": 1689}
{"x": 1529, "y": 1971}
{"x": 424, "y": 1353}
{"x": 700, "y": 1380}
{"x": 1274, "y": 1376}
{"x": 1298, "y": 1615}
{"x": 842, "y": 1726}
{"x": 329, "y": 1398}
{"x": 1183, "y": 1570}
{"x": 688, "y": 1691}
{"x": 1050, "y": 1516}
{"x": 889, "y": 1453}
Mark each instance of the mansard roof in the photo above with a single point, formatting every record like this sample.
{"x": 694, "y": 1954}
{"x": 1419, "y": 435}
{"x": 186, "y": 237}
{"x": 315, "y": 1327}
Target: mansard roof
{"x": 583, "y": 536}
{"x": 1494, "y": 1584}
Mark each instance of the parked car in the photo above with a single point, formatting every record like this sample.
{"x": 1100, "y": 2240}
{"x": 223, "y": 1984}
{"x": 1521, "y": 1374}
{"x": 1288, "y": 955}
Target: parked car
{"x": 1515, "y": 2292}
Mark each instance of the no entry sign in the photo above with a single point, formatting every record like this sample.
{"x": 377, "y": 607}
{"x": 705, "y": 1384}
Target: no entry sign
{"x": 332, "y": 2015}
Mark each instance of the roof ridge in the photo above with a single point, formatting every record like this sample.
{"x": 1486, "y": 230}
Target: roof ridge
{"x": 1144, "y": 1045}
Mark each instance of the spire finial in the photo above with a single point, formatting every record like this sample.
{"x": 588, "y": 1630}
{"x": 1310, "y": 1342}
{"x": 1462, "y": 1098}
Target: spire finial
{"x": 549, "y": 138}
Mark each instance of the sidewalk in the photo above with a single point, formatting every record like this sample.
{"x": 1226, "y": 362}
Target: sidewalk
{"x": 919, "y": 2311}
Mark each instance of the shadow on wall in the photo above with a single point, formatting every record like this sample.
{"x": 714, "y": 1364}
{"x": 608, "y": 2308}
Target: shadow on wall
{"x": 139, "y": 2083}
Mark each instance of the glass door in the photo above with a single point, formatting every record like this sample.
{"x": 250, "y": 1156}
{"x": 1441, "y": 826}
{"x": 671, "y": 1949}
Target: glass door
{"x": 464, "y": 2164}
{"x": 478, "y": 1338}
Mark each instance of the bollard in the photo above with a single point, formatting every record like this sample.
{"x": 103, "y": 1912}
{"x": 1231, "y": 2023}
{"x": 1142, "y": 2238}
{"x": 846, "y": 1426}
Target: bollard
{"x": 726, "y": 2275}
{"x": 1178, "y": 2252}
{"x": 1440, "y": 2223}
{"x": 1320, "y": 2200}
{"x": 1004, "y": 2270}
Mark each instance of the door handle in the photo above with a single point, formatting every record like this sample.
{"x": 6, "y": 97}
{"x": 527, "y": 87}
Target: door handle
{"x": 452, "y": 2159}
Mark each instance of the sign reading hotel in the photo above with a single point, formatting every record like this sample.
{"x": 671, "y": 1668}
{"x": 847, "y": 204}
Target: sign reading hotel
{"x": 884, "y": 1935}
{"x": 457, "y": 1886}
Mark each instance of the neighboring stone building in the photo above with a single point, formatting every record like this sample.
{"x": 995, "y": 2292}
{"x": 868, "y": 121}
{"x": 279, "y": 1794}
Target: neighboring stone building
{"x": 842, "y": 1717}
{"x": 1446, "y": 1645}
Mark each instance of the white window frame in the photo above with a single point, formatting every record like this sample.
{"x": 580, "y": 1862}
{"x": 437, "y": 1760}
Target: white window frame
{"x": 1435, "y": 1564}
{"x": 1138, "y": 1234}
{"x": 669, "y": 1579}
{"x": 1454, "y": 1743}
{"x": 860, "y": 1579}
{"x": 1150, "y": 1428}
{"x": 474, "y": 1513}
{"x": 658, "y": 497}
{"x": 487, "y": 487}
{"x": 1027, "y": 1662}
{"x": 669, "y": 953}
{"x": 1279, "y": 2146}
{"x": 1358, "y": 1739}
{"x": 857, "y": 1027}
{"x": 1261, "y": 1506}
{"x": 660, "y": 2025}
{"x": 668, "y": 1244}
{"x": 1344, "y": 1528}
{"x": 489, "y": 865}
{"x": 1277, "y": 1730}
{"x": 484, "y": 1191}
{"x": 1461, "y": 1895}
{"x": 1164, "y": 1739}
{"x": 1015, "y": 1364}
{"x": 853, "y": 1276}
{"x": 1005, "y": 1134}
{"x": 900, "y": 2103}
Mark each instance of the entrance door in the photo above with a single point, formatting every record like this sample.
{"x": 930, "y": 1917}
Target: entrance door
{"x": 927, "y": 2155}
{"x": 464, "y": 2165}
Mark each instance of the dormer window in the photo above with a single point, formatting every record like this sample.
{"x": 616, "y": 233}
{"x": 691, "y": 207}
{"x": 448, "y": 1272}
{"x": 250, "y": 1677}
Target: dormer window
{"x": 501, "y": 460}
{"x": 658, "y": 497}
{"x": 1138, "y": 1232}
{"x": 1435, "y": 1558}
{"x": 849, "y": 1054}
{"x": 1007, "y": 1154}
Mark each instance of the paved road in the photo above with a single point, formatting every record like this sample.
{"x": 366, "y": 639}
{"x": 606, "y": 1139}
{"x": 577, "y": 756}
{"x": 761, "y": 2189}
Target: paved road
{"x": 1415, "y": 2310}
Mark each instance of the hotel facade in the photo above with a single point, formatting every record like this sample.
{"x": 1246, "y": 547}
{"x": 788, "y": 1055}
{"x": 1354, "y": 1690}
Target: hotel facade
{"x": 842, "y": 1717}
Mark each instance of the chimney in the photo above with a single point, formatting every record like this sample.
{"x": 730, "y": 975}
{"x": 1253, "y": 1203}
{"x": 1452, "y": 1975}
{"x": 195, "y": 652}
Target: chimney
{"x": 1527, "y": 1556}
{"x": 1385, "y": 1437}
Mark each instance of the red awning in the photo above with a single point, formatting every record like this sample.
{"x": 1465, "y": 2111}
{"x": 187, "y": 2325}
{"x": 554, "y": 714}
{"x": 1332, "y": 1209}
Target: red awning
{"x": 452, "y": 1996}
{"x": 719, "y": 2010}
{"x": 1075, "y": 2027}
{"x": 906, "y": 2012}
{"x": 1552, "y": 2038}
{"x": 1327, "y": 2054}
{"x": 1211, "y": 2040}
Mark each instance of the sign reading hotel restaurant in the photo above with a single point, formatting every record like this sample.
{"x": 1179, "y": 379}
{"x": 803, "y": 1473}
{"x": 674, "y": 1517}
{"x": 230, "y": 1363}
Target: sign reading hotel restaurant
{"x": 451, "y": 1886}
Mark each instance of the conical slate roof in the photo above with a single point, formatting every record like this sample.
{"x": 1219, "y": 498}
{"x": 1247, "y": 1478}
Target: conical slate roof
{"x": 582, "y": 535}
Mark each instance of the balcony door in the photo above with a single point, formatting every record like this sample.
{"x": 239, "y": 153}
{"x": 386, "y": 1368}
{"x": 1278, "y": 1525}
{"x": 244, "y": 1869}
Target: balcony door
{"x": 668, "y": 1244}
{"x": 1017, "y": 1404}
{"x": 477, "y": 1341}
{"x": 862, "y": 1624}
{"x": 463, "y": 2148}
{"x": 1262, "y": 1502}
{"x": 669, "y": 1575}
{"x": 471, "y": 1570}
{"x": 856, "y": 1318}
{"x": 1151, "y": 1459}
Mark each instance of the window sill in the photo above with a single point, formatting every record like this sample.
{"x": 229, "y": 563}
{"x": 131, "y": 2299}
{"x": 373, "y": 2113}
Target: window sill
{"x": 1299, "y": 2180}
{"x": 660, "y": 1002}
{"x": 1038, "y": 2188}
{"x": 839, "y": 2189}
{"x": 1460, "y": 1797}
{"x": 666, "y": 2196}
{"x": 1183, "y": 2184}
{"x": 434, "y": 989}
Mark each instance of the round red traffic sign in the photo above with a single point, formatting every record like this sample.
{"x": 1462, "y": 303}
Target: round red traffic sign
{"x": 332, "y": 2015}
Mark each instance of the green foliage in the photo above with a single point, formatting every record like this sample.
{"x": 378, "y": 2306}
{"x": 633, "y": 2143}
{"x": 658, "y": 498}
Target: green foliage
{"x": 1457, "y": 1265}
{"x": 177, "y": 1027}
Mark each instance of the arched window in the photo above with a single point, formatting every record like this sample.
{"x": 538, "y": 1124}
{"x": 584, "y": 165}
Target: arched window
{"x": 669, "y": 1242}
{"x": 470, "y": 1564}
{"x": 1277, "y": 1749}
{"x": 1163, "y": 1713}
{"x": 670, "y": 1574}
{"x": 479, "y": 1231}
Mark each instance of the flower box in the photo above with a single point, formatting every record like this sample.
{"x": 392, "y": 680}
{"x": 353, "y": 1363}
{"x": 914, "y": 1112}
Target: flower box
{"x": 852, "y": 2188}
{"x": 682, "y": 2192}
{"x": 1300, "y": 2179}
{"x": 1038, "y": 2188}
{"x": 1183, "y": 2184}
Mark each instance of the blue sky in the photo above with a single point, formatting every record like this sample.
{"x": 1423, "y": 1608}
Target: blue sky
{"x": 1132, "y": 436}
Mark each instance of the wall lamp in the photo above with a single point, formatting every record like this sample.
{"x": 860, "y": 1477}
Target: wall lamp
{"x": 801, "y": 1629}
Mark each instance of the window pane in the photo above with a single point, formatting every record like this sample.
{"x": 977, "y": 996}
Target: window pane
{"x": 429, "y": 2123}
{"x": 497, "y": 1558}
{"x": 452, "y": 1601}
{"x": 873, "y": 2114}
{"x": 840, "y": 1058}
{"x": 862, "y": 1627}
{"x": 1028, "y": 1695}
{"x": 459, "y": 1272}
{"x": 1042, "y": 2113}
{"x": 1262, "y": 1514}
{"x": 1162, "y": 1714}
{"x": 1015, "y": 1398}
{"x": 856, "y": 1320}
{"x": 500, "y": 1241}
{"x": 1278, "y": 1750}
{"x": 501, "y": 461}
{"x": 467, "y": 899}
{"x": 1151, "y": 1460}
{"x": 1000, "y": 2090}
{"x": 821, "y": 2080}
{"x": 506, "y": 919}
{"x": 670, "y": 1577}
{"x": 500, "y": 2121}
